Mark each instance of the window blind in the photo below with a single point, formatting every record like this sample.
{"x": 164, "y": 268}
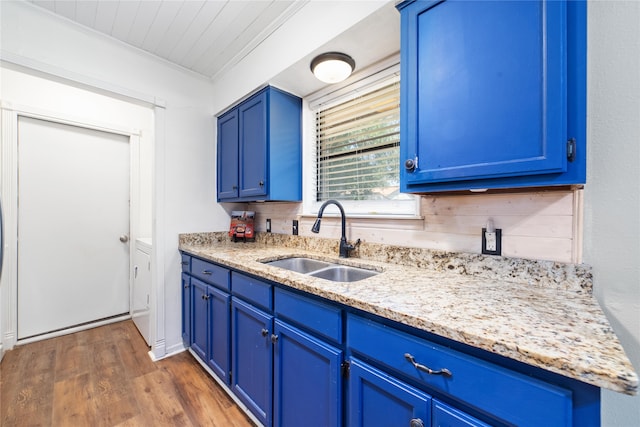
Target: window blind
{"x": 357, "y": 147}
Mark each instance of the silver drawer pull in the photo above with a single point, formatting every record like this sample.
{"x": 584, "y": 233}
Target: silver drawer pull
{"x": 207, "y": 273}
{"x": 426, "y": 369}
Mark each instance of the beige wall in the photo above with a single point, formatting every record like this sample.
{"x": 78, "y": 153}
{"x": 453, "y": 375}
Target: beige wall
{"x": 540, "y": 225}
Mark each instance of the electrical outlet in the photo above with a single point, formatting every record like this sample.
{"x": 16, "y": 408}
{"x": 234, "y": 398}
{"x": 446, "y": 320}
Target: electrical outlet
{"x": 295, "y": 227}
{"x": 268, "y": 225}
{"x": 492, "y": 241}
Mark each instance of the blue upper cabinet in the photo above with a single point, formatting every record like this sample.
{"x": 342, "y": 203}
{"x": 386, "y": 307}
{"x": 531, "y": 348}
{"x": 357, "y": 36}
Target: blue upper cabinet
{"x": 260, "y": 149}
{"x": 493, "y": 94}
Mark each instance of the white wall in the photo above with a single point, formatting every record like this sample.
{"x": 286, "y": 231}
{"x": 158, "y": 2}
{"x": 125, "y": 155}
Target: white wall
{"x": 184, "y": 192}
{"x": 612, "y": 195}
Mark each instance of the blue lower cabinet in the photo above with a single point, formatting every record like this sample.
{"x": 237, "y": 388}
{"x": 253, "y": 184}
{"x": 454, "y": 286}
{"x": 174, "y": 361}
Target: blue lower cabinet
{"x": 200, "y": 309}
{"x": 186, "y": 310}
{"x": 307, "y": 382}
{"x": 219, "y": 333}
{"x": 252, "y": 358}
{"x": 283, "y": 354}
{"x": 377, "y": 399}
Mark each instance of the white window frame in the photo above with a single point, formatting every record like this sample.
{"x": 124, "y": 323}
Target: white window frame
{"x": 368, "y": 80}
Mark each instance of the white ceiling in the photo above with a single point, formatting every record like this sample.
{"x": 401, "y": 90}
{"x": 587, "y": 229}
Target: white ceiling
{"x": 210, "y": 36}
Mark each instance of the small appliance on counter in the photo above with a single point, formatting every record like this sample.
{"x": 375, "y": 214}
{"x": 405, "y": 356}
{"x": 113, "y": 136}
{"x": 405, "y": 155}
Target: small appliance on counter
{"x": 242, "y": 226}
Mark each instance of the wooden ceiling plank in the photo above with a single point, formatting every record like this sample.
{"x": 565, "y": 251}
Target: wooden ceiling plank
{"x": 179, "y": 27}
{"x": 125, "y": 17}
{"x": 142, "y": 23}
{"x": 105, "y": 16}
{"x": 235, "y": 27}
{"x": 213, "y": 32}
{"x": 202, "y": 21}
{"x": 66, "y": 8}
{"x": 86, "y": 12}
{"x": 165, "y": 16}
{"x": 248, "y": 39}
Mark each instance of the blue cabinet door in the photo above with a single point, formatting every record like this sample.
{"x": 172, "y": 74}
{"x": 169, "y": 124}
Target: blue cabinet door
{"x": 252, "y": 358}
{"x": 186, "y": 310}
{"x": 253, "y": 145}
{"x": 447, "y": 416}
{"x": 307, "y": 383}
{"x": 227, "y": 155}
{"x": 379, "y": 400}
{"x": 199, "y": 326}
{"x": 260, "y": 148}
{"x": 485, "y": 95}
{"x": 219, "y": 335}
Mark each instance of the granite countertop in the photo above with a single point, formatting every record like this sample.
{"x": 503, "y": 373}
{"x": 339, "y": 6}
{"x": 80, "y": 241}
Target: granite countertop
{"x": 537, "y": 312}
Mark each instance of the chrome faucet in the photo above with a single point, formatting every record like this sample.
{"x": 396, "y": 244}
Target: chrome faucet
{"x": 345, "y": 247}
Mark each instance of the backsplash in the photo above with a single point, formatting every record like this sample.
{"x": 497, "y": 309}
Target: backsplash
{"x": 543, "y": 225}
{"x": 566, "y": 276}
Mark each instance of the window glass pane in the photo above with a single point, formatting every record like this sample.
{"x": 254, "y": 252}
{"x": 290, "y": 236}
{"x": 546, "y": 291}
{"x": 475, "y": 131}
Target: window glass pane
{"x": 357, "y": 147}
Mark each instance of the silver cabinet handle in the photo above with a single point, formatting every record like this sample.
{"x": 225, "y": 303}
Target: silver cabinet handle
{"x": 274, "y": 338}
{"x": 207, "y": 273}
{"x": 264, "y": 332}
{"x": 416, "y": 422}
{"x": 124, "y": 238}
{"x": 426, "y": 369}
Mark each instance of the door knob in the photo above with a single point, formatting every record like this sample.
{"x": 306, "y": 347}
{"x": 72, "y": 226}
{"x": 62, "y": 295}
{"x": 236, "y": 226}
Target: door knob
{"x": 124, "y": 238}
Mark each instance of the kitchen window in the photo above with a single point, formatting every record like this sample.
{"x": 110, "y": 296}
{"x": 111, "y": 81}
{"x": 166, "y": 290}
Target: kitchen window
{"x": 357, "y": 139}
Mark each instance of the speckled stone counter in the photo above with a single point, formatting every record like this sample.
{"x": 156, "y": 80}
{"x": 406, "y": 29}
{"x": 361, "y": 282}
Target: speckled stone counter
{"x": 540, "y": 313}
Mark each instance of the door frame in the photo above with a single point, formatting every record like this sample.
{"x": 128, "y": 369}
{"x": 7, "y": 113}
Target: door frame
{"x": 9, "y": 114}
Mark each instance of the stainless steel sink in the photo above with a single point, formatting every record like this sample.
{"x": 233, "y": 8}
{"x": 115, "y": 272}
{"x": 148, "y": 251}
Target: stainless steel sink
{"x": 343, "y": 273}
{"x": 322, "y": 269}
{"x": 301, "y": 265}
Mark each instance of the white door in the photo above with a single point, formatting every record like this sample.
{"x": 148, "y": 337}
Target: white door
{"x": 73, "y": 208}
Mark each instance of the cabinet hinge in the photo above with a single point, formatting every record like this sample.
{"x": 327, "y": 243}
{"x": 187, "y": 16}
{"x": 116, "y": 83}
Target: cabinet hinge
{"x": 344, "y": 369}
{"x": 571, "y": 149}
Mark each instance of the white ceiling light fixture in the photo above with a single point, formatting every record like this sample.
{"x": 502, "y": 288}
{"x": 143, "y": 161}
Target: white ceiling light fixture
{"x": 332, "y": 67}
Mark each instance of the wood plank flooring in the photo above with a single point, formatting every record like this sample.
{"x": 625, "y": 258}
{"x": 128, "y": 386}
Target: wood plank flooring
{"x": 104, "y": 377}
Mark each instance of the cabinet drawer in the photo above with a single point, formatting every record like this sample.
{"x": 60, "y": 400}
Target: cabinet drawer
{"x": 251, "y": 289}
{"x": 185, "y": 263}
{"x": 316, "y": 316}
{"x": 506, "y": 394}
{"x": 210, "y": 273}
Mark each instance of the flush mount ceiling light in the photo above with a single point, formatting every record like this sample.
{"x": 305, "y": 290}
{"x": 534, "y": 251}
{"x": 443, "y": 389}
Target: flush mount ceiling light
{"x": 332, "y": 67}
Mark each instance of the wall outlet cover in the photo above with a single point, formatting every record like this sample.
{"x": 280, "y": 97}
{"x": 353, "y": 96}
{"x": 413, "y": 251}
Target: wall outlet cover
{"x": 492, "y": 242}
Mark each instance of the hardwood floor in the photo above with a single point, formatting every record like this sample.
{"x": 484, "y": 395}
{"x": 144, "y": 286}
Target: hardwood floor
{"x": 104, "y": 377}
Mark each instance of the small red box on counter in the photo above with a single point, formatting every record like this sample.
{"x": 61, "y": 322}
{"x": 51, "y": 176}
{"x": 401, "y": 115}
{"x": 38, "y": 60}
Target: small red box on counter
{"x": 242, "y": 226}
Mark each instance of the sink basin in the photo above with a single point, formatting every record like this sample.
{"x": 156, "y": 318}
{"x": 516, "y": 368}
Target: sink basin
{"x": 342, "y": 273}
{"x": 322, "y": 269}
{"x": 300, "y": 265}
